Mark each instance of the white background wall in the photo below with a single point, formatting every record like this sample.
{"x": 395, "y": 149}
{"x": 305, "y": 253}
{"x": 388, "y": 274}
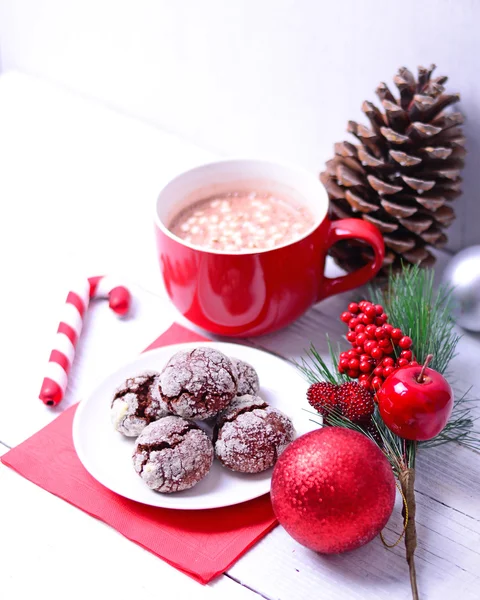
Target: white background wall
{"x": 278, "y": 78}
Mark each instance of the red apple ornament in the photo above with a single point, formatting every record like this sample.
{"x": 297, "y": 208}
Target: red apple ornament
{"x": 415, "y": 402}
{"x": 333, "y": 490}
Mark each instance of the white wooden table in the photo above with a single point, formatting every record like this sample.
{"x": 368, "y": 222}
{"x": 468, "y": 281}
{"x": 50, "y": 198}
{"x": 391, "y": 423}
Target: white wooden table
{"x": 77, "y": 188}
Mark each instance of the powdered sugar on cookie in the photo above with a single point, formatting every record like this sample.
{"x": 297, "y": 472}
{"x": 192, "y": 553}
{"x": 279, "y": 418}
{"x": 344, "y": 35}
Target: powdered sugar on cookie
{"x": 251, "y": 435}
{"x": 136, "y": 403}
{"x": 247, "y": 378}
{"x": 172, "y": 454}
{"x": 198, "y": 383}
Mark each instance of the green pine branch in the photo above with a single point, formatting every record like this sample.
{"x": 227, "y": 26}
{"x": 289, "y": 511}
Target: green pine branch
{"x": 425, "y": 314}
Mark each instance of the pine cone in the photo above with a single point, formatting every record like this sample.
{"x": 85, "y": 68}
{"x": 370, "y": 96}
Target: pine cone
{"x": 403, "y": 173}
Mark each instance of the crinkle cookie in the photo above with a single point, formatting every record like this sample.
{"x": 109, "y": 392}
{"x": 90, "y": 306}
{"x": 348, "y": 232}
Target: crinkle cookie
{"x": 198, "y": 384}
{"x": 172, "y": 454}
{"x": 136, "y": 403}
{"x": 248, "y": 382}
{"x": 250, "y": 435}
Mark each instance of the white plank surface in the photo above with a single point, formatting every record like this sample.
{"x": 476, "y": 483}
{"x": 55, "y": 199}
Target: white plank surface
{"x": 448, "y": 559}
{"x": 47, "y": 155}
{"x": 77, "y": 184}
{"x": 48, "y": 545}
{"x": 275, "y": 78}
{"x": 448, "y": 512}
{"x": 106, "y": 342}
{"x": 3, "y": 449}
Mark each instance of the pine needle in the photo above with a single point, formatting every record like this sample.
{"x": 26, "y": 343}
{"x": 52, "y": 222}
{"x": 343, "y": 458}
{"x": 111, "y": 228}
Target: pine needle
{"x": 425, "y": 314}
{"x": 315, "y": 368}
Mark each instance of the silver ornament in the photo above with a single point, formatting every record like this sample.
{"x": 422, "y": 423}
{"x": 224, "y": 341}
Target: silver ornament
{"x": 463, "y": 275}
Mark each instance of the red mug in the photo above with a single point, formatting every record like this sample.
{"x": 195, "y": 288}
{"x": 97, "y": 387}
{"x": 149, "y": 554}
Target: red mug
{"x": 254, "y": 292}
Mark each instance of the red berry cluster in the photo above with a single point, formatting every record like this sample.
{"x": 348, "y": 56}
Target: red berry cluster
{"x": 378, "y": 348}
{"x": 349, "y": 399}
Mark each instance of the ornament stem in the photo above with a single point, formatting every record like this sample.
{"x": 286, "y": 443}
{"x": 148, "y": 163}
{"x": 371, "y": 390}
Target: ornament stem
{"x": 421, "y": 377}
{"x": 407, "y": 481}
{"x": 405, "y": 521}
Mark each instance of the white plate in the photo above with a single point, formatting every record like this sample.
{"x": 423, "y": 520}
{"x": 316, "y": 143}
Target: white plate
{"x": 106, "y": 454}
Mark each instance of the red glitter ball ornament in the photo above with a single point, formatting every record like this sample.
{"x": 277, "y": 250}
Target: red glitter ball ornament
{"x": 333, "y": 490}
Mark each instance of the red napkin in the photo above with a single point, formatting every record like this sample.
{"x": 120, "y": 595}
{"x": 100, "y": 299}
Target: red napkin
{"x": 201, "y": 543}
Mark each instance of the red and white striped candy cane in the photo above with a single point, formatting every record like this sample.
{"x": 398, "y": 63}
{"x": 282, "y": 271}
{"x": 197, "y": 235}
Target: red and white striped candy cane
{"x": 68, "y": 332}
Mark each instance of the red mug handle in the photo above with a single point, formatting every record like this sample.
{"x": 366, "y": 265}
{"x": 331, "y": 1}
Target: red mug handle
{"x": 358, "y": 229}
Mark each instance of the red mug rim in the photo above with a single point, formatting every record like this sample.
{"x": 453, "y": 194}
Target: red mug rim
{"x": 305, "y": 175}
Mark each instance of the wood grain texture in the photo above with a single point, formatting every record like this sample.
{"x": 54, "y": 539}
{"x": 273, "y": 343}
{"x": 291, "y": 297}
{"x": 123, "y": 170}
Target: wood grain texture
{"x": 448, "y": 557}
{"x": 448, "y": 511}
{"x": 68, "y": 552}
{"x": 112, "y": 200}
{"x": 3, "y": 449}
{"x": 124, "y": 168}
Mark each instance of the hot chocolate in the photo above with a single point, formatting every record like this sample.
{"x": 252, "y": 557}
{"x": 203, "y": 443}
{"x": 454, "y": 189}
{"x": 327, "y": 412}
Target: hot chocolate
{"x": 242, "y": 222}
